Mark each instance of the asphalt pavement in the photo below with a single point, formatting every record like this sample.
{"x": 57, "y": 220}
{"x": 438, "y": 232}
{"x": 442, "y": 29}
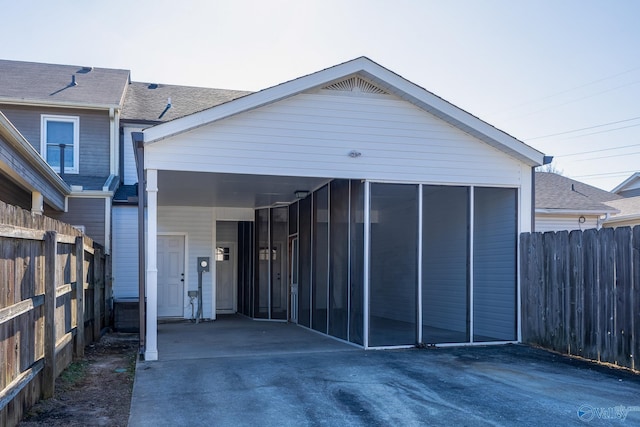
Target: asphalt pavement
{"x": 251, "y": 373}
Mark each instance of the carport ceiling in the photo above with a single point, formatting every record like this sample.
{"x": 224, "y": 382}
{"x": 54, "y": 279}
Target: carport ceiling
{"x": 229, "y": 190}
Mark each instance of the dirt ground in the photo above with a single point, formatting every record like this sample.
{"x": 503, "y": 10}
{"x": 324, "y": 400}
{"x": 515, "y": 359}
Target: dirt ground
{"x": 94, "y": 391}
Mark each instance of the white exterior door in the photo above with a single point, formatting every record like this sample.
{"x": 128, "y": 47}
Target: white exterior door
{"x": 226, "y": 284}
{"x": 170, "y": 276}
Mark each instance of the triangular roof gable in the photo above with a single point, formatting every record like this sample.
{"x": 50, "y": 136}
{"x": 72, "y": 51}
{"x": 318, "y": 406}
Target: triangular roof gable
{"x": 374, "y": 73}
{"x": 633, "y": 179}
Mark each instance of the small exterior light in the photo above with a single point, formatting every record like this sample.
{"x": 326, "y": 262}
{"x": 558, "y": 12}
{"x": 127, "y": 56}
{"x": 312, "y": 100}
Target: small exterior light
{"x": 300, "y": 194}
{"x": 354, "y": 154}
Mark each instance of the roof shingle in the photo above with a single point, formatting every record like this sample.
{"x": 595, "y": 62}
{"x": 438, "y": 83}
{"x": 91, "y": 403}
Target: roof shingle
{"x": 146, "y": 102}
{"x": 555, "y": 191}
{"x": 32, "y": 82}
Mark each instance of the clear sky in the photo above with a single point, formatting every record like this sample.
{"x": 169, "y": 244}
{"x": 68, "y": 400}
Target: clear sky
{"x": 561, "y": 75}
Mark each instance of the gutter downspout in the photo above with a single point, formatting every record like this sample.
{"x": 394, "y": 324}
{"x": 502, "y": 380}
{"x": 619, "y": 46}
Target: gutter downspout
{"x": 600, "y": 221}
{"x": 533, "y": 199}
{"x": 138, "y": 145}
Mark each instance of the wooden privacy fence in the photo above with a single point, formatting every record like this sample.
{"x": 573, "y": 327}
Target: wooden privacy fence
{"x": 54, "y": 299}
{"x": 581, "y": 293}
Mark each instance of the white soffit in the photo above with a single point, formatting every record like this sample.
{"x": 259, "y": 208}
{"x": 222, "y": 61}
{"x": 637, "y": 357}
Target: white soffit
{"x": 373, "y": 77}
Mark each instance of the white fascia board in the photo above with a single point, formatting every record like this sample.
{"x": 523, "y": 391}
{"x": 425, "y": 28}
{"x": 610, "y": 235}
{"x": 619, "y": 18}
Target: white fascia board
{"x": 622, "y": 218}
{"x": 389, "y": 80}
{"x": 456, "y": 116}
{"x": 626, "y": 182}
{"x": 576, "y": 212}
{"x": 92, "y": 194}
{"x": 251, "y": 101}
{"x": 58, "y": 104}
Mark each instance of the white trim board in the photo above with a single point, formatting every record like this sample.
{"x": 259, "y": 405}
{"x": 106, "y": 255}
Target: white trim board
{"x": 362, "y": 66}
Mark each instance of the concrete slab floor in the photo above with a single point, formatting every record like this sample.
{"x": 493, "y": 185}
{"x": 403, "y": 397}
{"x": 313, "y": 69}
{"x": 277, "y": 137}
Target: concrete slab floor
{"x": 340, "y": 385}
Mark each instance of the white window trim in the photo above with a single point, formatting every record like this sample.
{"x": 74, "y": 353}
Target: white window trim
{"x": 76, "y": 139}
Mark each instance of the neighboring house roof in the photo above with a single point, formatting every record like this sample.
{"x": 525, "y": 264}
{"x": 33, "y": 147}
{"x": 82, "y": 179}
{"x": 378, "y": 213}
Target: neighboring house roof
{"x": 628, "y": 207}
{"x": 22, "y": 163}
{"x": 51, "y": 84}
{"x": 124, "y": 193}
{"x": 629, "y": 187}
{"x": 558, "y": 194}
{"x": 147, "y": 102}
{"x": 96, "y": 183}
{"x": 378, "y": 75}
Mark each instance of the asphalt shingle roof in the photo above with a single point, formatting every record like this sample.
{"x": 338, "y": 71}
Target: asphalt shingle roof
{"x": 555, "y": 191}
{"x": 51, "y": 83}
{"x": 146, "y": 102}
{"x": 124, "y": 192}
{"x": 628, "y": 206}
{"x": 87, "y": 182}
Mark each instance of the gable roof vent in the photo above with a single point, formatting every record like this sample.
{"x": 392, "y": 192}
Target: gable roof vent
{"x": 356, "y": 84}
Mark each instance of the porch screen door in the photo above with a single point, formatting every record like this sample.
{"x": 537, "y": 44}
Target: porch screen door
{"x": 293, "y": 278}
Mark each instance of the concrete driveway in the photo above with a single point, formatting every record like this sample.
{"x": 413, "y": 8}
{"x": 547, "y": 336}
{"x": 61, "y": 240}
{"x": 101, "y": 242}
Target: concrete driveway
{"x": 245, "y": 372}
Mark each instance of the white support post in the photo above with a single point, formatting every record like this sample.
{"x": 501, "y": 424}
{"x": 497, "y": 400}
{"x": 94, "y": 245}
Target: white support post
{"x": 366, "y": 256}
{"x": 471, "y": 259}
{"x": 213, "y": 265}
{"x": 419, "y": 289}
{"x": 37, "y": 203}
{"x": 151, "y": 351}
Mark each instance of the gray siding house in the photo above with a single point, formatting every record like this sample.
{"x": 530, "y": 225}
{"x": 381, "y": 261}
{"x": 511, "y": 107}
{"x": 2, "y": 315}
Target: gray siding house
{"x": 26, "y": 180}
{"x": 70, "y": 116}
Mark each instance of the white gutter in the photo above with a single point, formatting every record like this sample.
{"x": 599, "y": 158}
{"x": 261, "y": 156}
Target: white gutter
{"x": 576, "y": 212}
{"x": 91, "y": 193}
{"x": 58, "y": 104}
{"x": 622, "y": 218}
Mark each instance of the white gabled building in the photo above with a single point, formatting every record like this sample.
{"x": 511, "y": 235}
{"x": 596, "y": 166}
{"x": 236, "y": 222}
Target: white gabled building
{"x": 350, "y": 201}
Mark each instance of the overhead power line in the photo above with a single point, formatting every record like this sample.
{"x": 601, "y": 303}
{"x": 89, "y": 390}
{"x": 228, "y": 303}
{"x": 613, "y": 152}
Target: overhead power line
{"x": 567, "y": 90}
{"x": 598, "y": 151}
{"x": 610, "y": 174}
{"x": 607, "y": 157}
{"x": 572, "y": 101}
{"x": 586, "y": 128}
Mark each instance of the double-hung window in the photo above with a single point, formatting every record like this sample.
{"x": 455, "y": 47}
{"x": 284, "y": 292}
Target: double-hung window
{"x": 61, "y": 133}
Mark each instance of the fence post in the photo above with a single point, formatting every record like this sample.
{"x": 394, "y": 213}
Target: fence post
{"x": 49, "y": 371}
{"x": 106, "y": 277}
{"x": 79, "y": 343}
{"x": 98, "y": 287}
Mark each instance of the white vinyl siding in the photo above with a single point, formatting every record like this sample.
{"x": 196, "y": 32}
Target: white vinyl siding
{"x": 234, "y": 214}
{"x": 197, "y": 223}
{"x": 125, "y": 252}
{"x": 313, "y": 134}
{"x": 558, "y": 222}
{"x": 130, "y": 172}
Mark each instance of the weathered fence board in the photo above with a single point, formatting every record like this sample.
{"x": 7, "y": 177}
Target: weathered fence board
{"x": 581, "y": 292}
{"x": 49, "y": 272}
{"x": 622, "y": 296}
